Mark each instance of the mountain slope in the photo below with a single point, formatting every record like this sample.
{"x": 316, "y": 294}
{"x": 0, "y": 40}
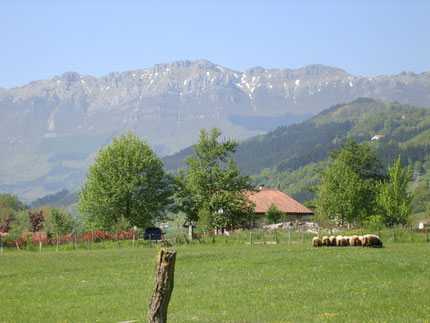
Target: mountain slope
{"x": 291, "y": 156}
{"x": 51, "y": 129}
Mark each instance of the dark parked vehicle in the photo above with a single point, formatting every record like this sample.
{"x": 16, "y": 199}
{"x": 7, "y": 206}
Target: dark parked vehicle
{"x": 155, "y": 233}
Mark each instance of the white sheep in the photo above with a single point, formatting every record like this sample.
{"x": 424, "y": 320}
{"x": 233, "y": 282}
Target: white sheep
{"x": 372, "y": 240}
{"x": 354, "y": 241}
{"x": 339, "y": 241}
{"x": 316, "y": 242}
{"x": 325, "y": 241}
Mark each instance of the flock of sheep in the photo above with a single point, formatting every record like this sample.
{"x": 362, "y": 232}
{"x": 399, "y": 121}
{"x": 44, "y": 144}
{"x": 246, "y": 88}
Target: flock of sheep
{"x": 368, "y": 240}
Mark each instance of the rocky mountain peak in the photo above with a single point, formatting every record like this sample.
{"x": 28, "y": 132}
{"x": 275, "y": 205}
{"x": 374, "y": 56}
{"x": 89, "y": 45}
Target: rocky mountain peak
{"x": 50, "y": 129}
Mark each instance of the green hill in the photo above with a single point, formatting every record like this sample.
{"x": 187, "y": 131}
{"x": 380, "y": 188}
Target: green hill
{"x": 291, "y": 156}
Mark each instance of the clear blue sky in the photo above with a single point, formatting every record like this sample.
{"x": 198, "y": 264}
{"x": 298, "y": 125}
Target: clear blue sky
{"x": 41, "y": 39}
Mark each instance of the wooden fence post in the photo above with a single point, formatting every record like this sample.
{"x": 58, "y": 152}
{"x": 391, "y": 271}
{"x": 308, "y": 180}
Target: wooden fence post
{"x": 262, "y": 233}
{"x": 1, "y": 248}
{"x": 150, "y": 240}
{"x": 17, "y": 245}
{"x": 58, "y": 244}
{"x": 410, "y": 233}
{"x": 394, "y": 235}
{"x": 159, "y": 301}
{"x": 133, "y": 241}
{"x": 40, "y": 245}
{"x": 303, "y": 233}
{"x": 237, "y": 237}
{"x": 250, "y": 237}
{"x": 276, "y": 236}
{"x": 73, "y": 240}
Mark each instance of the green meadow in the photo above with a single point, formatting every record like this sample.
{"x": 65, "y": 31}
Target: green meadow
{"x": 221, "y": 282}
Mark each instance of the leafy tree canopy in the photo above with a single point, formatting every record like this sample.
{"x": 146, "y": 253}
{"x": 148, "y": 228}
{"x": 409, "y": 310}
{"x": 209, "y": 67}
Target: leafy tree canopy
{"x": 393, "y": 201}
{"x": 346, "y": 191}
{"x": 10, "y": 205}
{"x": 273, "y": 215}
{"x": 126, "y": 180}
{"x": 211, "y": 186}
{"x": 61, "y": 223}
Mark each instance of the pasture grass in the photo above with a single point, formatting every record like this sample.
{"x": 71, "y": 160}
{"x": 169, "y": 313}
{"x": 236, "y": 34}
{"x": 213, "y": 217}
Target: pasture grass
{"x": 221, "y": 282}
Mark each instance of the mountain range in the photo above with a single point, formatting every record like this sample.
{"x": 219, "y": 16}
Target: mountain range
{"x": 50, "y": 130}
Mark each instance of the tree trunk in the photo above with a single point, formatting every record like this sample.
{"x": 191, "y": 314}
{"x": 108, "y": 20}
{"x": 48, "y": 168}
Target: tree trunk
{"x": 186, "y": 240}
{"x": 190, "y": 231}
{"x": 159, "y": 301}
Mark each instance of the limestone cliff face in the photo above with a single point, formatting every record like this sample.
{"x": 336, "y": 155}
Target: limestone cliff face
{"x": 51, "y": 129}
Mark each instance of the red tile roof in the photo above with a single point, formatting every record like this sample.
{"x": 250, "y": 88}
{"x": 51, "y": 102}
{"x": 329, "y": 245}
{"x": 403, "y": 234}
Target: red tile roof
{"x": 266, "y": 196}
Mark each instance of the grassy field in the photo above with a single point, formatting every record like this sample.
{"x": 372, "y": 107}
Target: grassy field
{"x": 221, "y": 283}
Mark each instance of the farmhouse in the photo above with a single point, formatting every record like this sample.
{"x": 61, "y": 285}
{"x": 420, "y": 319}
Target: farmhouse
{"x": 264, "y": 197}
{"x": 377, "y": 137}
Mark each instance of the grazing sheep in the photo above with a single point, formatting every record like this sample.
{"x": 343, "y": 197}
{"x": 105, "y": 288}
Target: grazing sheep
{"x": 316, "y": 242}
{"x": 362, "y": 240}
{"x": 354, "y": 241}
{"x": 346, "y": 241}
{"x": 372, "y": 240}
{"x": 325, "y": 241}
{"x": 332, "y": 241}
{"x": 339, "y": 241}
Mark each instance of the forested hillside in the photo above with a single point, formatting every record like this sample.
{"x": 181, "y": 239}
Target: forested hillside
{"x": 291, "y": 156}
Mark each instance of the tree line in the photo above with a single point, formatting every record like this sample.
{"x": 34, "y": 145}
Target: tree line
{"x": 355, "y": 190}
{"x": 127, "y": 186}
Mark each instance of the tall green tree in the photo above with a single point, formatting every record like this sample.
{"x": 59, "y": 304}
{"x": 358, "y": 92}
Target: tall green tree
{"x": 211, "y": 187}
{"x": 127, "y": 179}
{"x": 61, "y": 223}
{"x": 10, "y": 206}
{"x": 393, "y": 200}
{"x": 346, "y": 193}
{"x": 342, "y": 195}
